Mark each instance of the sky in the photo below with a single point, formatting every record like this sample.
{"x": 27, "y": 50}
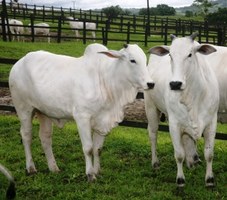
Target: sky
{"x": 98, "y": 4}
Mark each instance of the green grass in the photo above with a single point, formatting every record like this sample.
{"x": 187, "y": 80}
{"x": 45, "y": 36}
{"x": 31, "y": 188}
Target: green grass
{"x": 125, "y": 161}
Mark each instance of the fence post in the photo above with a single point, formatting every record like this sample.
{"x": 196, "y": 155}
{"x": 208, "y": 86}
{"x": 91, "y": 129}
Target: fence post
{"x": 146, "y": 35}
{"x": 166, "y": 34}
{"x": 32, "y": 28}
{"x": 4, "y": 37}
{"x": 121, "y": 23}
{"x": 200, "y": 32}
{"x": 59, "y": 30}
{"x": 134, "y": 23}
{"x": 84, "y": 28}
{"x": 155, "y": 22}
{"x": 43, "y": 13}
{"x": 220, "y": 37}
{"x": 128, "y": 33}
{"x": 183, "y": 30}
{"x": 106, "y": 31}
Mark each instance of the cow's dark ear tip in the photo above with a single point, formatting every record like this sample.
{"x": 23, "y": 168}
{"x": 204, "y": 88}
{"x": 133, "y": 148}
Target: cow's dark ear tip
{"x": 125, "y": 45}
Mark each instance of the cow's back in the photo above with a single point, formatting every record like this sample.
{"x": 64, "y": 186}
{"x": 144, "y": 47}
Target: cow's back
{"x": 47, "y": 82}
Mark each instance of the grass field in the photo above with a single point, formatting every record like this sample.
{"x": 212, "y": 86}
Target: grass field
{"x": 126, "y": 164}
{"x": 126, "y": 167}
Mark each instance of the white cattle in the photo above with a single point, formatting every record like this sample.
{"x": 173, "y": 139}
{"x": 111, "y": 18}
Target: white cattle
{"x": 92, "y": 90}
{"x": 11, "y": 192}
{"x": 187, "y": 91}
{"x": 41, "y": 29}
{"x": 16, "y": 28}
{"x": 79, "y": 25}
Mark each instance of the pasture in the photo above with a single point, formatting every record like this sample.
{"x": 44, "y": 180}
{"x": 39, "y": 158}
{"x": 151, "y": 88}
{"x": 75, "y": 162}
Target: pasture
{"x": 125, "y": 160}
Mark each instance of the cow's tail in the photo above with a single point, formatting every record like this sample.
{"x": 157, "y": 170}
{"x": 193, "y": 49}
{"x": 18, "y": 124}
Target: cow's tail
{"x": 11, "y": 191}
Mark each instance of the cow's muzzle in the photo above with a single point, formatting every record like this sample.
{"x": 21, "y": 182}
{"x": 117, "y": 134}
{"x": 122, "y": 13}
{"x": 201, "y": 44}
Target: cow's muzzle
{"x": 175, "y": 85}
{"x": 150, "y": 85}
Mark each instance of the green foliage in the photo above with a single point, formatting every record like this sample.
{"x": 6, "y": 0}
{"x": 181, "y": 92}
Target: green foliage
{"x": 203, "y": 5}
{"x": 161, "y": 9}
{"x": 220, "y": 16}
{"x": 188, "y": 13}
{"x": 125, "y": 161}
{"x": 112, "y": 11}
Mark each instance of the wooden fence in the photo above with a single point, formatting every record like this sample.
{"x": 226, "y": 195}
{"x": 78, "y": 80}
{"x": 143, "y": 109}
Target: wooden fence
{"x": 134, "y": 124}
{"x": 129, "y": 29}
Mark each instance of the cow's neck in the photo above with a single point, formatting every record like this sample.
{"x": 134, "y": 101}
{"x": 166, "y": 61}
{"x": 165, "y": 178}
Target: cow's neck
{"x": 117, "y": 86}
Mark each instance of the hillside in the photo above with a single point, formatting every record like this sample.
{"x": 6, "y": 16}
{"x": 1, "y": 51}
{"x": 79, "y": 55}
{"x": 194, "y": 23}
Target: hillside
{"x": 218, "y": 4}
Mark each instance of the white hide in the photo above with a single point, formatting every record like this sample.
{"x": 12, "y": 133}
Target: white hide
{"x": 41, "y": 29}
{"x": 92, "y": 90}
{"x": 192, "y": 110}
{"x": 14, "y": 29}
{"x": 79, "y": 25}
{"x": 218, "y": 61}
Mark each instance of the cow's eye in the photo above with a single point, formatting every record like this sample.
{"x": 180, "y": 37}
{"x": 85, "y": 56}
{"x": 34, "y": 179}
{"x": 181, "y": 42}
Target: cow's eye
{"x": 132, "y": 61}
{"x": 190, "y": 55}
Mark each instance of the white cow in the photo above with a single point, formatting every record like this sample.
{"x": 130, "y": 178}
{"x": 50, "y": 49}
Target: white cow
{"x": 11, "y": 192}
{"x": 92, "y": 90}
{"x": 16, "y": 28}
{"x": 41, "y": 29}
{"x": 187, "y": 91}
{"x": 79, "y": 25}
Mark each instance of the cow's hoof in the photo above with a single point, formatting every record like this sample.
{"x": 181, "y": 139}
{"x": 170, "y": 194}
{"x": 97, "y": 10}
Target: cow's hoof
{"x": 180, "y": 182}
{"x": 91, "y": 178}
{"x": 11, "y": 191}
{"x": 156, "y": 165}
{"x": 210, "y": 182}
{"x": 31, "y": 171}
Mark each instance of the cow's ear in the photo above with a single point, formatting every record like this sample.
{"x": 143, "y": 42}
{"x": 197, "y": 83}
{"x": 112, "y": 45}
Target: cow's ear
{"x": 111, "y": 53}
{"x": 205, "y": 49}
{"x": 159, "y": 50}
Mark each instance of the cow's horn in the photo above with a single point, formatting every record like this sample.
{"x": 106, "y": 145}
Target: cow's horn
{"x": 194, "y": 35}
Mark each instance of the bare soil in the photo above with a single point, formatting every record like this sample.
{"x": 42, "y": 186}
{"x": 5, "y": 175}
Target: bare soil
{"x": 134, "y": 111}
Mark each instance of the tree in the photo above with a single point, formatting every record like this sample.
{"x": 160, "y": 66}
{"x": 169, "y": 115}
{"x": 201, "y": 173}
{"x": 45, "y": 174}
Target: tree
{"x": 161, "y": 9}
{"x": 220, "y": 16}
{"x": 204, "y": 5}
{"x": 164, "y": 9}
{"x": 112, "y": 11}
{"x": 188, "y": 13}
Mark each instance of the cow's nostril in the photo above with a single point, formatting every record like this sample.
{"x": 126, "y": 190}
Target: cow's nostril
{"x": 150, "y": 85}
{"x": 175, "y": 85}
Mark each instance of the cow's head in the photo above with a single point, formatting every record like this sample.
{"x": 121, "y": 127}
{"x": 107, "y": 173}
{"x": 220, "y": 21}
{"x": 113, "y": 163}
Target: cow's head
{"x": 133, "y": 63}
{"x": 182, "y": 56}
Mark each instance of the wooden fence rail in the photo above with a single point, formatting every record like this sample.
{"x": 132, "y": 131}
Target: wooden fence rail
{"x": 134, "y": 124}
{"x": 128, "y": 26}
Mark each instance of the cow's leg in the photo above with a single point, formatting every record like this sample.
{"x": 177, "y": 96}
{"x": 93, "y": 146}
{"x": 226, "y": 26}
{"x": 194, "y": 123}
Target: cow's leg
{"x": 209, "y": 137}
{"x": 77, "y": 34}
{"x": 45, "y": 134}
{"x": 190, "y": 148}
{"x": 178, "y": 152}
{"x": 153, "y": 123}
{"x": 93, "y": 35}
{"x": 25, "y": 116}
{"x": 84, "y": 129}
{"x": 98, "y": 141}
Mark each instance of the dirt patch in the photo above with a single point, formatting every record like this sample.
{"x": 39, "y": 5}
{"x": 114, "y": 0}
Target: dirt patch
{"x": 134, "y": 111}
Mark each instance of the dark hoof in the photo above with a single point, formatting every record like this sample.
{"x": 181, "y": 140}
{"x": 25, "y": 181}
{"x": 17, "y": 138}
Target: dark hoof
{"x": 11, "y": 191}
{"x": 156, "y": 165}
{"x": 91, "y": 178}
{"x": 210, "y": 182}
{"x": 180, "y": 182}
{"x": 30, "y": 173}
